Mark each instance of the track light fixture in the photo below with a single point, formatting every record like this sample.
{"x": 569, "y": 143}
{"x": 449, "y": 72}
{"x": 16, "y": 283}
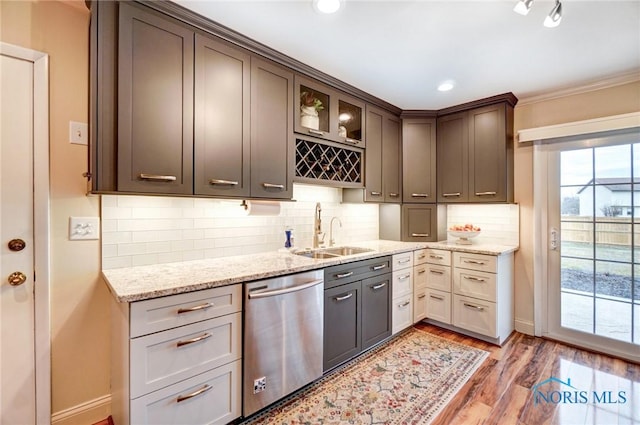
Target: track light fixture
{"x": 555, "y": 16}
{"x": 552, "y": 20}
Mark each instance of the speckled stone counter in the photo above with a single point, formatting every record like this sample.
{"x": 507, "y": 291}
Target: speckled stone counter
{"x": 144, "y": 282}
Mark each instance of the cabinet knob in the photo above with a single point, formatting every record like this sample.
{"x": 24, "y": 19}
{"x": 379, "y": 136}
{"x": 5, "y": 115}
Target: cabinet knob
{"x": 17, "y": 278}
{"x": 16, "y": 244}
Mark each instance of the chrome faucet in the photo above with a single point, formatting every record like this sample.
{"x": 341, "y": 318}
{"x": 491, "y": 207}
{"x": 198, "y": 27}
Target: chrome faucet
{"x": 318, "y": 235}
{"x": 331, "y": 240}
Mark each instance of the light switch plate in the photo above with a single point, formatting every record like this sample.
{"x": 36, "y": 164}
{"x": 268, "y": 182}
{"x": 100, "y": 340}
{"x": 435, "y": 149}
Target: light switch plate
{"x": 78, "y": 133}
{"x": 84, "y": 228}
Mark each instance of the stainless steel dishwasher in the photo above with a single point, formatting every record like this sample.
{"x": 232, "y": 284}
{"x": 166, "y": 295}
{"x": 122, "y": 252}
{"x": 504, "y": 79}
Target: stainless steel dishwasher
{"x": 283, "y": 334}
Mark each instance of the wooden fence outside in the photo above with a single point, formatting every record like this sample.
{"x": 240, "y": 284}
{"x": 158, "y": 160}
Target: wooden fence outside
{"x": 615, "y": 231}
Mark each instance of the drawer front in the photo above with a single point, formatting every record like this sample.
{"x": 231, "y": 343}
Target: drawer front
{"x": 215, "y": 399}
{"x": 475, "y": 315}
{"x": 420, "y": 276}
{"x": 402, "y": 261}
{"x": 420, "y": 257}
{"x": 438, "y": 305}
{"x": 474, "y": 284}
{"x": 351, "y": 272}
{"x": 439, "y": 277}
{"x": 419, "y": 305}
{"x": 402, "y": 313}
{"x": 438, "y": 256}
{"x": 163, "y": 358}
{"x": 159, "y": 314}
{"x": 480, "y": 262}
{"x": 402, "y": 282}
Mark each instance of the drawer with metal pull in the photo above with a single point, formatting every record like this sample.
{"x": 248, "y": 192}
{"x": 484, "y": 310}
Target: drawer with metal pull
{"x": 475, "y": 315}
{"x": 438, "y": 256}
{"x": 438, "y": 277}
{"x": 159, "y": 314}
{"x": 438, "y": 305}
{"x": 481, "y": 262}
{"x": 211, "y": 398}
{"x": 402, "y": 282}
{"x": 166, "y": 357}
{"x": 350, "y": 272}
{"x": 402, "y": 261}
{"x": 475, "y": 284}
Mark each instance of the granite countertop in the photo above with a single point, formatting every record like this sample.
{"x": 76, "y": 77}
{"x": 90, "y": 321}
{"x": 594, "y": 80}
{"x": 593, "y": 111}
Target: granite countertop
{"x": 143, "y": 282}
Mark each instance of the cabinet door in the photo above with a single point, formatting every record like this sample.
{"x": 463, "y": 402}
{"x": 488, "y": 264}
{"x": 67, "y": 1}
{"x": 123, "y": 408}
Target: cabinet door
{"x": 222, "y": 81}
{"x": 272, "y": 145}
{"x": 419, "y": 223}
{"x": 314, "y": 109}
{"x": 342, "y": 325}
{"x": 488, "y": 154}
{"x": 155, "y": 104}
{"x": 419, "y": 160}
{"x": 376, "y": 310}
{"x": 351, "y": 120}
{"x": 452, "y": 156}
{"x": 391, "y": 159}
{"x": 373, "y": 156}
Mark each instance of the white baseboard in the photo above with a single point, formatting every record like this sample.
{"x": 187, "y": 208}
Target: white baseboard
{"x": 525, "y": 327}
{"x": 86, "y": 413}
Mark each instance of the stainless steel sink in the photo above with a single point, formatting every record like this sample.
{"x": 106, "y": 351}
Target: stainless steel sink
{"x": 338, "y": 251}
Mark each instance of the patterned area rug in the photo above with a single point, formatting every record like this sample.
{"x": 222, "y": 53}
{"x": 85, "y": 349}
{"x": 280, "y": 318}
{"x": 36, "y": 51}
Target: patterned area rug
{"x": 407, "y": 380}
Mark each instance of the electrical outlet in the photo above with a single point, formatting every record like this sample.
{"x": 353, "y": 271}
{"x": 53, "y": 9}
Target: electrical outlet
{"x": 259, "y": 385}
{"x": 84, "y": 228}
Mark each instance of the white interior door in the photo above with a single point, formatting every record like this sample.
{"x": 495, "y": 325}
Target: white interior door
{"x": 593, "y": 243}
{"x": 24, "y": 331}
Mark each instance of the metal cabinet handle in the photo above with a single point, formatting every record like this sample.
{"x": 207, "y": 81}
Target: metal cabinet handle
{"x": 346, "y": 297}
{"x": 376, "y": 193}
{"x": 194, "y": 394}
{"x": 482, "y": 263}
{"x": 419, "y": 195}
{"x": 421, "y": 257}
{"x": 475, "y": 279}
{"x": 485, "y": 193}
{"x": 224, "y": 182}
{"x": 405, "y": 277}
{"x": 451, "y": 194}
{"x": 420, "y": 235}
{"x": 403, "y": 305}
{"x": 196, "y": 308}
{"x": 436, "y": 257}
{"x": 343, "y": 275}
{"x": 421, "y": 271}
{"x": 436, "y": 297}
{"x": 404, "y": 261}
{"x": 273, "y": 186}
{"x": 436, "y": 272}
{"x": 421, "y": 296}
{"x": 193, "y": 340}
{"x": 475, "y": 307}
{"x": 316, "y": 132}
{"x": 157, "y": 177}
{"x": 379, "y": 267}
{"x": 382, "y": 285}
{"x": 393, "y": 194}
{"x": 352, "y": 141}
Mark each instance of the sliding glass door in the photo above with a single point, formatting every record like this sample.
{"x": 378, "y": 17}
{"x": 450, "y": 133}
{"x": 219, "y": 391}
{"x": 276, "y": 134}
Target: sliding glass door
{"x": 593, "y": 243}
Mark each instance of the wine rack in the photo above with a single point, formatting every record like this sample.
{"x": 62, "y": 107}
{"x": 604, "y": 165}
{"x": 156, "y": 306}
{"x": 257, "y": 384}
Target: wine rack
{"x": 318, "y": 161}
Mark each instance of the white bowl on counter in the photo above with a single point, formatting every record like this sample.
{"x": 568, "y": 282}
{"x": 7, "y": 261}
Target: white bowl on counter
{"x": 464, "y": 236}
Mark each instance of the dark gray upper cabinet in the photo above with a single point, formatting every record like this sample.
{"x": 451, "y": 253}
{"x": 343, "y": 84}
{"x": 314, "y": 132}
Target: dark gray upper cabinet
{"x": 475, "y": 155}
{"x": 272, "y": 144}
{"x": 222, "y": 119}
{"x": 419, "y": 223}
{"x": 155, "y": 104}
{"x": 419, "y": 160}
{"x": 326, "y": 113}
{"x": 382, "y": 158}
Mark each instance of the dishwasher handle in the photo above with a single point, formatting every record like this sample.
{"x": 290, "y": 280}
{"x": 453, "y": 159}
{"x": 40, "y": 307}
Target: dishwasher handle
{"x": 274, "y": 292}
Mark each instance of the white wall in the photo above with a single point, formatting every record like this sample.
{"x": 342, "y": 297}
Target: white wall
{"x": 142, "y": 230}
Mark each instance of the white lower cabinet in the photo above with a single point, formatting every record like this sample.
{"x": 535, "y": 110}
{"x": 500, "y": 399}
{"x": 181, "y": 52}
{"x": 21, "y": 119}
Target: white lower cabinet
{"x": 438, "y": 305}
{"x": 402, "y": 290}
{"x": 177, "y": 359}
{"x": 438, "y": 283}
{"x": 402, "y": 313}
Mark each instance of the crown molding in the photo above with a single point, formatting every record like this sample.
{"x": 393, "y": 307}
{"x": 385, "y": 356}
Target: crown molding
{"x": 613, "y": 81}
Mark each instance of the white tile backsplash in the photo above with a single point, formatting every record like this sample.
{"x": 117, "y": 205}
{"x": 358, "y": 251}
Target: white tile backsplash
{"x": 144, "y": 230}
{"x": 499, "y": 223}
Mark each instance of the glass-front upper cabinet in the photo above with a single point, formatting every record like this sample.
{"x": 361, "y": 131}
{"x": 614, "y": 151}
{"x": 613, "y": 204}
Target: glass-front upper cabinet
{"x": 328, "y": 114}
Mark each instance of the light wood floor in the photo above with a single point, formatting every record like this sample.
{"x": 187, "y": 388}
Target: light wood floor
{"x": 500, "y": 391}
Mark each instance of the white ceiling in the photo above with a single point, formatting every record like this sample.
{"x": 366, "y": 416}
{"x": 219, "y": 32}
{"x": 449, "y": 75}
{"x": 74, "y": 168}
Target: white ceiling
{"x": 400, "y": 51}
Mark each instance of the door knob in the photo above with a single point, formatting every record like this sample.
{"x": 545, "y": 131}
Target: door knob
{"x": 17, "y": 278}
{"x": 16, "y": 244}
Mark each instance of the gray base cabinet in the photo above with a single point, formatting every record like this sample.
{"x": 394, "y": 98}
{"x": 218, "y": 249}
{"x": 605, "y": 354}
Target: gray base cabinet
{"x": 357, "y": 309}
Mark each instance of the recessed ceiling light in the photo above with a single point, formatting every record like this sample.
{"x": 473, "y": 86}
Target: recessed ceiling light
{"x": 327, "y": 6}
{"x": 446, "y": 85}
